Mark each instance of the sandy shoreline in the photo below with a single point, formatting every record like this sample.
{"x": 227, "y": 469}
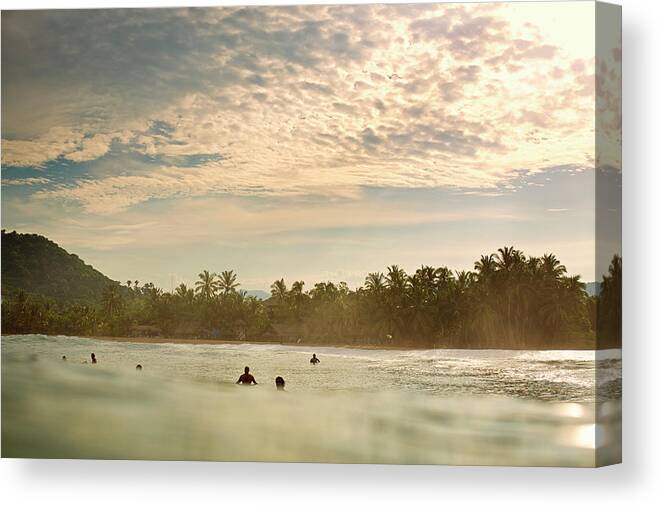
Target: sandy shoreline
{"x": 208, "y": 341}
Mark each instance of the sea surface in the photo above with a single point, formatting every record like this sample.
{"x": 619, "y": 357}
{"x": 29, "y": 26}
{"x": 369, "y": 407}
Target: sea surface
{"x": 496, "y": 407}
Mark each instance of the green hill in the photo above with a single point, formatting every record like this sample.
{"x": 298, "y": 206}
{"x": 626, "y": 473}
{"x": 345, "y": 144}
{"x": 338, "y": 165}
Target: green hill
{"x": 37, "y": 265}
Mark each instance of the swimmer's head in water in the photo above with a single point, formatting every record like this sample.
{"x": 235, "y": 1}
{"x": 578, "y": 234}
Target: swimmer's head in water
{"x": 139, "y": 367}
{"x": 246, "y": 369}
{"x": 280, "y": 383}
{"x": 64, "y": 358}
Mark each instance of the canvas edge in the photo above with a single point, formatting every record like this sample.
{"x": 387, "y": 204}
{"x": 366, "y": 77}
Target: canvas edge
{"x": 608, "y": 208}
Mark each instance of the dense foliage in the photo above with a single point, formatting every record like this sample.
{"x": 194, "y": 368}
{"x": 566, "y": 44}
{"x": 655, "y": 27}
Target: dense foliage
{"x": 36, "y": 265}
{"x": 609, "y": 307}
{"x": 507, "y": 301}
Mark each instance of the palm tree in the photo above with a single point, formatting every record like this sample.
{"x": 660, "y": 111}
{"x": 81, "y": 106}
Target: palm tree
{"x": 297, "y": 287}
{"x": 396, "y": 279}
{"x": 551, "y": 266}
{"x": 279, "y": 290}
{"x": 426, "y": 275}
{"x": 184, "y": 293}
{"x": 511, "y": 264}
{"x": 443, "y": 276}
{"x": 207, "y": 285}
{"x": 297, "y": 297}
{"x": 111, "y": 300}
{"x": 486, "y": 266}
{"x": 181, "y": 290}
{"x": 227, "y": 282}
{"x": 421, "y": 298}
{"x": 575, "y": 286}
{"x": 615, "y": 269}
{"x": 609, "y": 306}
{"x": 534, "y": 265}
{"x": 508, "y": 258}
{"x": 464, "y": 280}
{"x": 375, "y": 283}
{"x": 397, "y": 283}
{"x": 553, "y": 314}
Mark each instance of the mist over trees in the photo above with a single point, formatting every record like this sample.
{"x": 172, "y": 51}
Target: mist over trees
{"x": 508, "y": 300}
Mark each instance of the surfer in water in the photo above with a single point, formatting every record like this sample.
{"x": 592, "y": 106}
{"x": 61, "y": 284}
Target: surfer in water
{"x": 314, "y": 359}
{"x": 138, "y": 367}
{"x": 93, "y": 358}
{"x": 279, "y": 383}
{"x": 246, "y": 379}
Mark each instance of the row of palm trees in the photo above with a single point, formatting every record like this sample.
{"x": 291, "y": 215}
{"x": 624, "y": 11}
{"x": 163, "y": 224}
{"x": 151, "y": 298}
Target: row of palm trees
{"x": 507, "y": 300}
{"x": 210, "y": 284}
{"x": 207, "y": 286}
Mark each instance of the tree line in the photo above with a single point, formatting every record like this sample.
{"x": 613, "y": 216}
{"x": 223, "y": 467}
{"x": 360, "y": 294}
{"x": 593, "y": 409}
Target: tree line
{"x": 508, "y": 300}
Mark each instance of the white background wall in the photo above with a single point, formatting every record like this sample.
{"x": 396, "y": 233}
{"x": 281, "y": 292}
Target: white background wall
{"x": 636, "y": 482}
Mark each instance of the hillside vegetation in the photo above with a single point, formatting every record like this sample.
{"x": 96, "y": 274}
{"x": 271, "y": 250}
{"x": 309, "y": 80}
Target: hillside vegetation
{"x": 509, "y": 301}
{"x": 38, "y": 266}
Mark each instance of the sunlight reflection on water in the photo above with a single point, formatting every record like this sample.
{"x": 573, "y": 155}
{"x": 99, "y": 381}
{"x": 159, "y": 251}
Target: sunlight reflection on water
{"x": 356, "y": 406}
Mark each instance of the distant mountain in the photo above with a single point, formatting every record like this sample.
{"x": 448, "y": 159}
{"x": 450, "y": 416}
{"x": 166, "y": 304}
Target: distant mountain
{"x": 259, "y": 294}
{"x": 39, "y": 266}
{"x": 593, "y": 288}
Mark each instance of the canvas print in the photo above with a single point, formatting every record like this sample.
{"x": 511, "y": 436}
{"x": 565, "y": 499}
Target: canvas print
{"x": 318, "y": 233}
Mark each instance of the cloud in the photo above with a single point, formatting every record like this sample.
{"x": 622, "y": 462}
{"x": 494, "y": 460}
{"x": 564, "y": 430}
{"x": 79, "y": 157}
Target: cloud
{"x": 35, "y": 152}
{"x": 59, "y": 142}
{"x": 236, "y": 220}
{"x": 607, "y": 81}
{"x": 309, "y": 232}
{"x": 289, "y": 101}
{"x": 30, "y": 181}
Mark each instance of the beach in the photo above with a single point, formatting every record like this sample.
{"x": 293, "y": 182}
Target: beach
{"x": 588, "y": 345}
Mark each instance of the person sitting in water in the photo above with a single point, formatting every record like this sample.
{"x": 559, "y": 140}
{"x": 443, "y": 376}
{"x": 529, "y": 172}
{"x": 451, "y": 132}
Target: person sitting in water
{"x": 246, "y": 379}
{"x": 314, "y": 359}
{"x": 279, "y": 383}
{"x": 139, "y": 367}
{"x": 93, "y": 358}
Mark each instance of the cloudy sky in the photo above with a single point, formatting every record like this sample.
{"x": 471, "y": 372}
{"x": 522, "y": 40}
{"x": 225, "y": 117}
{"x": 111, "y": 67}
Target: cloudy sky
{"x": 306, "y": 142}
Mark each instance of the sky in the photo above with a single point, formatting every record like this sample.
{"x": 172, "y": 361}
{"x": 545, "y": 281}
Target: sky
{"x": 314, "y": 142}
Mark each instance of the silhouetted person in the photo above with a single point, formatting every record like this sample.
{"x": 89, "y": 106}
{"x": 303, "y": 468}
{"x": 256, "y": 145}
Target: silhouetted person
{"x": 64, "y": 358}
{"x": 314, "y": 359}
{"x": 279, "y": 383}
{"x": 139, "y": 367}
{"x": 246, "y": 379}
{"x": 93, "y": 358}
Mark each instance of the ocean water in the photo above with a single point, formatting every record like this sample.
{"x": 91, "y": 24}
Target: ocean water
{"x": 546, "y": 408}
